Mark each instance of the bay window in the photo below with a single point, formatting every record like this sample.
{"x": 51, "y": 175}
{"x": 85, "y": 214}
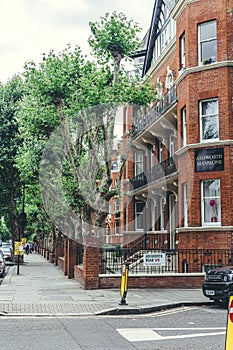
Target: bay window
{"x": 184, "y": 126}
{"x": 185, "y": 203}
{"x": 211, "y": 210}
{"x": 209, "y": 124}
{"x": 207, "y": 39}
{"x": 182, "y": 51}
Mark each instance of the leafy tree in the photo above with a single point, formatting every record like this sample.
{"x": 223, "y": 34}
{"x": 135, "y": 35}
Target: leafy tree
{"x": 114, "y": 37}
{"x": 81, "y": 97}
{"x": 10, "y": 185}
{"x": 4, "y": 231}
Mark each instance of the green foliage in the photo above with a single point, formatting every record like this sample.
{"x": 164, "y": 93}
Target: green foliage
{"x": 4, "y": 231}
{"x": 82, "y": 96}
{"x": 10, "y": 140}
{"x": 55, "y": 82}
{"x": 37, "y": 218}
{"x": 140, "y": 94}
{"x": 57, "y": 77}
{"x": 114, "y": 35}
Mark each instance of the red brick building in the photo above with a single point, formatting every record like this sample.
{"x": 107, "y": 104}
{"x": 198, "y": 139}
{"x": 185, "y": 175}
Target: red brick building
{"x": 180, "y": 174}
{"x": 178, "y": 178}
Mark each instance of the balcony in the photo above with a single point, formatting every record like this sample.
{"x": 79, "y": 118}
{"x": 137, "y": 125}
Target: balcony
{"x": 142, "y": 122}
{"x": 160, "y": 171}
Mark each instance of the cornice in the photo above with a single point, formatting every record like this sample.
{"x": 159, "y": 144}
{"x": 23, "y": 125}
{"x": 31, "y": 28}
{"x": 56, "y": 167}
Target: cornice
{"x": 203, "y": 145}
{"x": 203, "y": 229}
{"x": 179, "y": 8}
{"x": 202, "y": 68}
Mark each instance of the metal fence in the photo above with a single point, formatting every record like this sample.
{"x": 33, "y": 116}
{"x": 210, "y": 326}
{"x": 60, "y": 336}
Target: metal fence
{"x": 173, "y": 261}
{"x": 143, "y": 121}
{"x": 163, "y": 169}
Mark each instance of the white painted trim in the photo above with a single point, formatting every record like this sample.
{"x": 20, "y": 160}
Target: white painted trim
{"x": 203, "y": 229}
{"x": 203, "y": 145}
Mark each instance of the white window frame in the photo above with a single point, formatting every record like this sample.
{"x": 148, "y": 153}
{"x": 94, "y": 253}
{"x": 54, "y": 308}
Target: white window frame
{"x": 117, "y": 206}
{"x": 152, "y": 212}
{"x": 117, "y": 228}
{"x": 185, "y": 203}
{"x": 160, "y": 152}
{"x": 171, "y": 145}
{"x": 167, "y": 31}
{"x": 182, "y": 51}
{"x": 137, "y": 215}
{"x": 210, "y": 115}
{"x": 184, "y": 125}
{"x": 162, "y": 216}
{"x": 210, "y": 39}
{"x": 207, "y": 203}
{"x": 138, "y": 163}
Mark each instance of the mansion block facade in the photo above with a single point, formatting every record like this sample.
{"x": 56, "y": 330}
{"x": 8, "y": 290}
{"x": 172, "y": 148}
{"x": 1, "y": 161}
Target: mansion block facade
{"x": 178, "y": 181}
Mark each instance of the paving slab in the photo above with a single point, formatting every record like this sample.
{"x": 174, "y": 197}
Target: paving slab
{"x": 41, "y": 289}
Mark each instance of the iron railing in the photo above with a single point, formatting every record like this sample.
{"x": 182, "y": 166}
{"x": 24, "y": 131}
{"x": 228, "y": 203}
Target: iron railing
{"x": 177, "y": 261}
{"x": 161, "y": 170}
{"x": 141, "y": 122}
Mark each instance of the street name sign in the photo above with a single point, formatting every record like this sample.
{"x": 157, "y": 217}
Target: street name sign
{"x": 154, "y": 259}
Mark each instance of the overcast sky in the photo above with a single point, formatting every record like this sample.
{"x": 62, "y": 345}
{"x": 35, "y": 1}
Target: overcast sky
{"x": 32, "y": 27}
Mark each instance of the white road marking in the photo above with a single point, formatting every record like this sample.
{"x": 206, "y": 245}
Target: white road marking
{"x": 168, "y": 312}
{"x": 148, "y": 334}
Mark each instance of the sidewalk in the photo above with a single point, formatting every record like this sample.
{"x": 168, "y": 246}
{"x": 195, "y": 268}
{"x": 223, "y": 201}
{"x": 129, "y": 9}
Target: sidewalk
{"x": 41, "y": 289}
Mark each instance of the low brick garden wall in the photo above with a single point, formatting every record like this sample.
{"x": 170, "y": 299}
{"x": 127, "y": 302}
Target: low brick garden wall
{"x": 158, "y": 281}
{"x": 61, "y": 263}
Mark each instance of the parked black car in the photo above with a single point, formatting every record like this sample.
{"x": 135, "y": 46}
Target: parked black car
{"x": 218, "y": 285}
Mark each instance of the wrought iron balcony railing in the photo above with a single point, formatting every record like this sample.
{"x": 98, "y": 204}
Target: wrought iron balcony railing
{"x": 142, "y": 121}
{"x": 161, "y": 170}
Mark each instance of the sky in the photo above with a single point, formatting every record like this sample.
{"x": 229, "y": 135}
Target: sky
{"x": 30, "y": 28}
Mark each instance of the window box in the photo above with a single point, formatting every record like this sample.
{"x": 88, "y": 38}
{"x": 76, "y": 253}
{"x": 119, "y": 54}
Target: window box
{"x": 206, "y": 61}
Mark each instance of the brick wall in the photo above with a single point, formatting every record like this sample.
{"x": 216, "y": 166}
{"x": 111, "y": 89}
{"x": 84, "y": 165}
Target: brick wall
{"x": 164, "y": 281}
{"x": 78, "y": 274}
{"x": 59, "y": 251}
{"x": 71, "y": 258}
{"x": 218, "y": 239}
{"x": 91, "y": 263}
{"x": 61, "y": 263}
{"x": 205, "y": 83}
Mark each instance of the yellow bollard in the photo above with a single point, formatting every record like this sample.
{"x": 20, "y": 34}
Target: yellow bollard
{"x": 229, "y": 334}
{"x": 124, "y": 283}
